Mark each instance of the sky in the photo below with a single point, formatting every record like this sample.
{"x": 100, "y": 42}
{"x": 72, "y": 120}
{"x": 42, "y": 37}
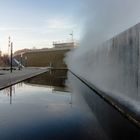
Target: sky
{"x": 37, "y": 23}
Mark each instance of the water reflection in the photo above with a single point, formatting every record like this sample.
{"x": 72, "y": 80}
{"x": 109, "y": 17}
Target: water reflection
{"x": 53, "y": 81}
{"x": 53, "y": 78}
{"x": 9, "y": 91}
{"x": 40, "y": 110}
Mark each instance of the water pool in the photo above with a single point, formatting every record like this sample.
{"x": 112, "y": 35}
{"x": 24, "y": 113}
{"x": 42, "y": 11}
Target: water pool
{"x": 45, "y": 108}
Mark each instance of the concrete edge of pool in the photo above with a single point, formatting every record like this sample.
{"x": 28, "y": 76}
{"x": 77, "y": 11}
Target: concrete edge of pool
{"x": 111, "y": 101}
{"x": 115, "y": 121}
{"x": 10, "y": 79}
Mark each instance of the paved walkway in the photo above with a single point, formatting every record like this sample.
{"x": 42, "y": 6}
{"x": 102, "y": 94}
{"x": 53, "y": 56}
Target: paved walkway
{"x": 7, "y": 78}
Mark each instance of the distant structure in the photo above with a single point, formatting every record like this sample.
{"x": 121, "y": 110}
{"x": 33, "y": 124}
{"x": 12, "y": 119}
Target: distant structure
{"x": 63, "y": 44}
{"x": 46, "y": 57}
{"x": 22, "y": 51}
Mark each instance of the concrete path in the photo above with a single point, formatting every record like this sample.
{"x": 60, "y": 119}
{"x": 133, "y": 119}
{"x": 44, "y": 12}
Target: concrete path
{"x": 7, "y": 78}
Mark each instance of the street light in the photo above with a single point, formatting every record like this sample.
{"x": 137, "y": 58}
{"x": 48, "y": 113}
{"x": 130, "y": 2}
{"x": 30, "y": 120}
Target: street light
{"x": 11, "y": 56}
{"x": 71, "y": 34}
{"x": 10, "y": 45}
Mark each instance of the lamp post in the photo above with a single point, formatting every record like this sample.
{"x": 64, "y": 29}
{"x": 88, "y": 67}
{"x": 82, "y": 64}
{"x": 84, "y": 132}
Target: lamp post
{"x": 11, "y": 56}
{"x": 10, "y": 45}
{"x": 71, "y": 36}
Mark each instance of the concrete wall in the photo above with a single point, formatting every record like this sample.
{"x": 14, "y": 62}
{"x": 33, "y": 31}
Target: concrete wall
{"x": 118, "y": 61}
{"x": 114, "y": 66}
{"x": 125, "y": 53}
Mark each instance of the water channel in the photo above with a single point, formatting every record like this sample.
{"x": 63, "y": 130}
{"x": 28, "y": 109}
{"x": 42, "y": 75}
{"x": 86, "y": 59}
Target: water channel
{"x": 46, "y": 107}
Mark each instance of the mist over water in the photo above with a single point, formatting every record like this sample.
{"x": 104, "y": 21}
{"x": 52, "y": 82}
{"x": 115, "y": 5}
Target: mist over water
{"x": 111, "y": 67}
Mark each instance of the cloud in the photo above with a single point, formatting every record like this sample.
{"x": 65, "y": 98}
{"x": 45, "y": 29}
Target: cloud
{"x": 41, "y": 35}
{"x": 58, "y": 23}
{"x": 18, "y": 29}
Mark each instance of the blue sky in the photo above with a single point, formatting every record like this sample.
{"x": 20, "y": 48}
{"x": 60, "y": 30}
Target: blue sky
{"x": 38, "y": 22}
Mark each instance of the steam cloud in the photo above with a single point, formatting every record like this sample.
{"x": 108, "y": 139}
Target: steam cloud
{"x": 104, "y": 20}
{"x": 107, "y": 18}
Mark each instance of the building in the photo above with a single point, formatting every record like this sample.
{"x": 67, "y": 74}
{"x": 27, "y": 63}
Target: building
{"x": 63, "y": 44}
{"x": 53, "y": 57}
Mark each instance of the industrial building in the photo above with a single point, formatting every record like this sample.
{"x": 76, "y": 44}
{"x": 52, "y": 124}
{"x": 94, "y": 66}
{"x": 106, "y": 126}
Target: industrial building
{"x": 52, "y": 57}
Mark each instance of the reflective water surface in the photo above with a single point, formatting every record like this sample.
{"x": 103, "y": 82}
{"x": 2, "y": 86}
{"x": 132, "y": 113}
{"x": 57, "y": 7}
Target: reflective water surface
{"x": 44, "y": 108}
